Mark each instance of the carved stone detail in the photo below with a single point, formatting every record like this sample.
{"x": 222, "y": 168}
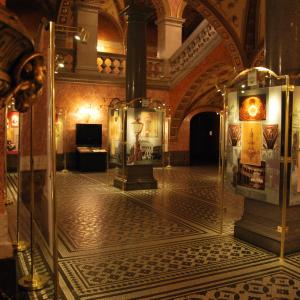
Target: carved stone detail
{"x": 230, "y": 39}
{"x": 21, "y": 74}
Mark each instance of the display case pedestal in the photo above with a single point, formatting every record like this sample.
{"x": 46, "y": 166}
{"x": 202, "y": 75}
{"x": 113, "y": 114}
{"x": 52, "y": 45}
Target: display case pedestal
{"x": 136, "y": 177}
{"x": 261, "y": 223}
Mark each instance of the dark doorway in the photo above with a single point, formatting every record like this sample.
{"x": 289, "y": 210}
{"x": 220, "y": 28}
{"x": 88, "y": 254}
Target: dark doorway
{"x": 204, "y": 138}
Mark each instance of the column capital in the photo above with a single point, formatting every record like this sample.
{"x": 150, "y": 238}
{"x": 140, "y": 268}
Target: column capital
{"x": 136, "y": 13}
{"x": 86, "y": 5}
{"x": 171, "y": 21}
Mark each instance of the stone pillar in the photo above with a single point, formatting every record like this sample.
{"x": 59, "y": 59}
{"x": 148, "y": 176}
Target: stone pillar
{"x": 136, "y": 177}
{"x": 169, "y": 36}
{"x": 282, "y": 39}
{"x": 87, "y": 17}
{"x": 261, "y": 221}
{"x": 136, "y": 57}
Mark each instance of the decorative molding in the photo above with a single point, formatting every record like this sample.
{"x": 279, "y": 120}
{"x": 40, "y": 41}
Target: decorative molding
{"x": 21, "y": 74}
{"x": 227, "y": 34}
{"x": 201, "y": 92}
{"x": 259, "y": 59}
{"x": 65, "y": 13}
{"x": 199, "y": 44}
{"x": 176, "y": 22}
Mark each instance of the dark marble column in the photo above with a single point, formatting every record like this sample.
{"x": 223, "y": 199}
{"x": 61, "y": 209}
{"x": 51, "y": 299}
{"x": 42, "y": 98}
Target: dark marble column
{"x": 261, "y": 221}
{"x": 282, "y": 40}
{"x": 136, "y": 52}
{"x": 136, "y": 177}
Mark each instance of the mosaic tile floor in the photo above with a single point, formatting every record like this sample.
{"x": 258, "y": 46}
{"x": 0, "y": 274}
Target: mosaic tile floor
{"x": 160, "y": 244}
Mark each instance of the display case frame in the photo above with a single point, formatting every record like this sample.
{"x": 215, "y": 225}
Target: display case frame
{"x": 247, "y": 83}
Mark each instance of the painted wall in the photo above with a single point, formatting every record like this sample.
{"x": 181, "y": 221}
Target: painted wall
{"x": 88, "y": 103}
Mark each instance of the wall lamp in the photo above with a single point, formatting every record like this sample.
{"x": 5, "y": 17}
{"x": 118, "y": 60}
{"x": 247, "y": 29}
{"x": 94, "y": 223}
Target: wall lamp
{"x": 59, "y": 63}
{"x": 80, "y": 33}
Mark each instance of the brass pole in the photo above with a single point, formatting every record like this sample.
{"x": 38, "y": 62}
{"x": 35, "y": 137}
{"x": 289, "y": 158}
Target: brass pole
{"x": 19, "y": 245}
{"x": 285, "y": 169}
{"x": 65, "y": 170}
{"x": 32, "y": 281}
{"x": 220, "y": 145}
{"x": 169, "y": 138}
{"x": 5, "y": 156}
{"x": 32, "y": 191}
{"x": 124, "y": 140}
{"x": 52, "y": 134}
{"x": 163, "y": 139}
{"x": 223, "y": 161}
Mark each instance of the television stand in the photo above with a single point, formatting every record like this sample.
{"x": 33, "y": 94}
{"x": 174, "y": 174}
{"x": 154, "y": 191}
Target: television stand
{"x": 91, "y": 159}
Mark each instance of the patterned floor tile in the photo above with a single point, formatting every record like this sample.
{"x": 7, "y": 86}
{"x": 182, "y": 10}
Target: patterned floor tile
{"x": 276, "y": 286}
{"x": 106, "y": 274}
{"x": 99, "y": 221}
{"x": 159, "y": 244}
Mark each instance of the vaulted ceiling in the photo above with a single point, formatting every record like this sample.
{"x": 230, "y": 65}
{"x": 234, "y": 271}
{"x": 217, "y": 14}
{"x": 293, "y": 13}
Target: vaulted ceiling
{"x": 240, "y": 23}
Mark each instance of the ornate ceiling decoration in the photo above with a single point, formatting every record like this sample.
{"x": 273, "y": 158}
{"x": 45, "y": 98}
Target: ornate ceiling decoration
{"x": 219, "y": 23}
{"x": 21, "y": 70}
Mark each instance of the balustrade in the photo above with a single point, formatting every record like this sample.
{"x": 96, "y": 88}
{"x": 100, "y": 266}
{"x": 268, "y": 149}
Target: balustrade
{"x": 192, "y": 51}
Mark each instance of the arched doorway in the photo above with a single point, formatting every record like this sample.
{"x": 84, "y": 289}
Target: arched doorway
{"x": 204, "y": 138}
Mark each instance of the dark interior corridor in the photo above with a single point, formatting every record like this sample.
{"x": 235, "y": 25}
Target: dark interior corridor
{"x": 204, "y": 138}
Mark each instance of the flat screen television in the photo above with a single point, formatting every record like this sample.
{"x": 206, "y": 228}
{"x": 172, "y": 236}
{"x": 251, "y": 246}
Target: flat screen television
{"x": 89, "y": 135}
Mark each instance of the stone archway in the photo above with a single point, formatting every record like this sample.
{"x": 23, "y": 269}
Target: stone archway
{"x": 162, "y": 8}
{"x": 223, "y": 28}
{"x": 201, "y": 92}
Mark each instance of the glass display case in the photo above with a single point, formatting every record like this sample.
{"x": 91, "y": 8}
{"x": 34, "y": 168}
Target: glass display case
{"x": 253, "y": 142}
{"x": 143, "y": 134}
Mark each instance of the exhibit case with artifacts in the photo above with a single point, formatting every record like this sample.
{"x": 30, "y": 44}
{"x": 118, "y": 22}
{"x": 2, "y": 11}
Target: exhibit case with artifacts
{"x": 136, "y": 132}
{"x": 253, "y": 142}
{"x": 260, "y": 157}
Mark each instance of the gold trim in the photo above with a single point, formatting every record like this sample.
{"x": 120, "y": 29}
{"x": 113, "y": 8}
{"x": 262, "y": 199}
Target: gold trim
{"x": 33, "y": 282}
{"x": 285, "y": 169}
{"x": 54, "y": 200}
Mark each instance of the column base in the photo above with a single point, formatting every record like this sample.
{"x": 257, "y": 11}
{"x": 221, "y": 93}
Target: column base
{"x": 260, "y": 225}
{"x": 136, "y": 178}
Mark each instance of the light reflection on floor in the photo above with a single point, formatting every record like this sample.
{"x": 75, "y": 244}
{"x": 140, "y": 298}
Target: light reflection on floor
{"x": 161, "y": 244}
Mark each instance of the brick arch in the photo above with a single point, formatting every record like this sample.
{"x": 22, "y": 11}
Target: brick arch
{"x": 220, "y": 24}
{"x": 184, "y": 132}
{"x": 202, "y": 92}
{"x": 162, "y": 8}
{"x": 259, "y": 59}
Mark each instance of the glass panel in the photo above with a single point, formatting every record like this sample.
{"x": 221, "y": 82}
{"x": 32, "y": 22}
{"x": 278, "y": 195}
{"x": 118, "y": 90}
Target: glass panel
{"x": 253, "y": 142}
{"x": 115, "y": 124}
{"x": 295, "y": 155}
{"x": 36, "y": 188}
{"x": 144, "y": 136}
